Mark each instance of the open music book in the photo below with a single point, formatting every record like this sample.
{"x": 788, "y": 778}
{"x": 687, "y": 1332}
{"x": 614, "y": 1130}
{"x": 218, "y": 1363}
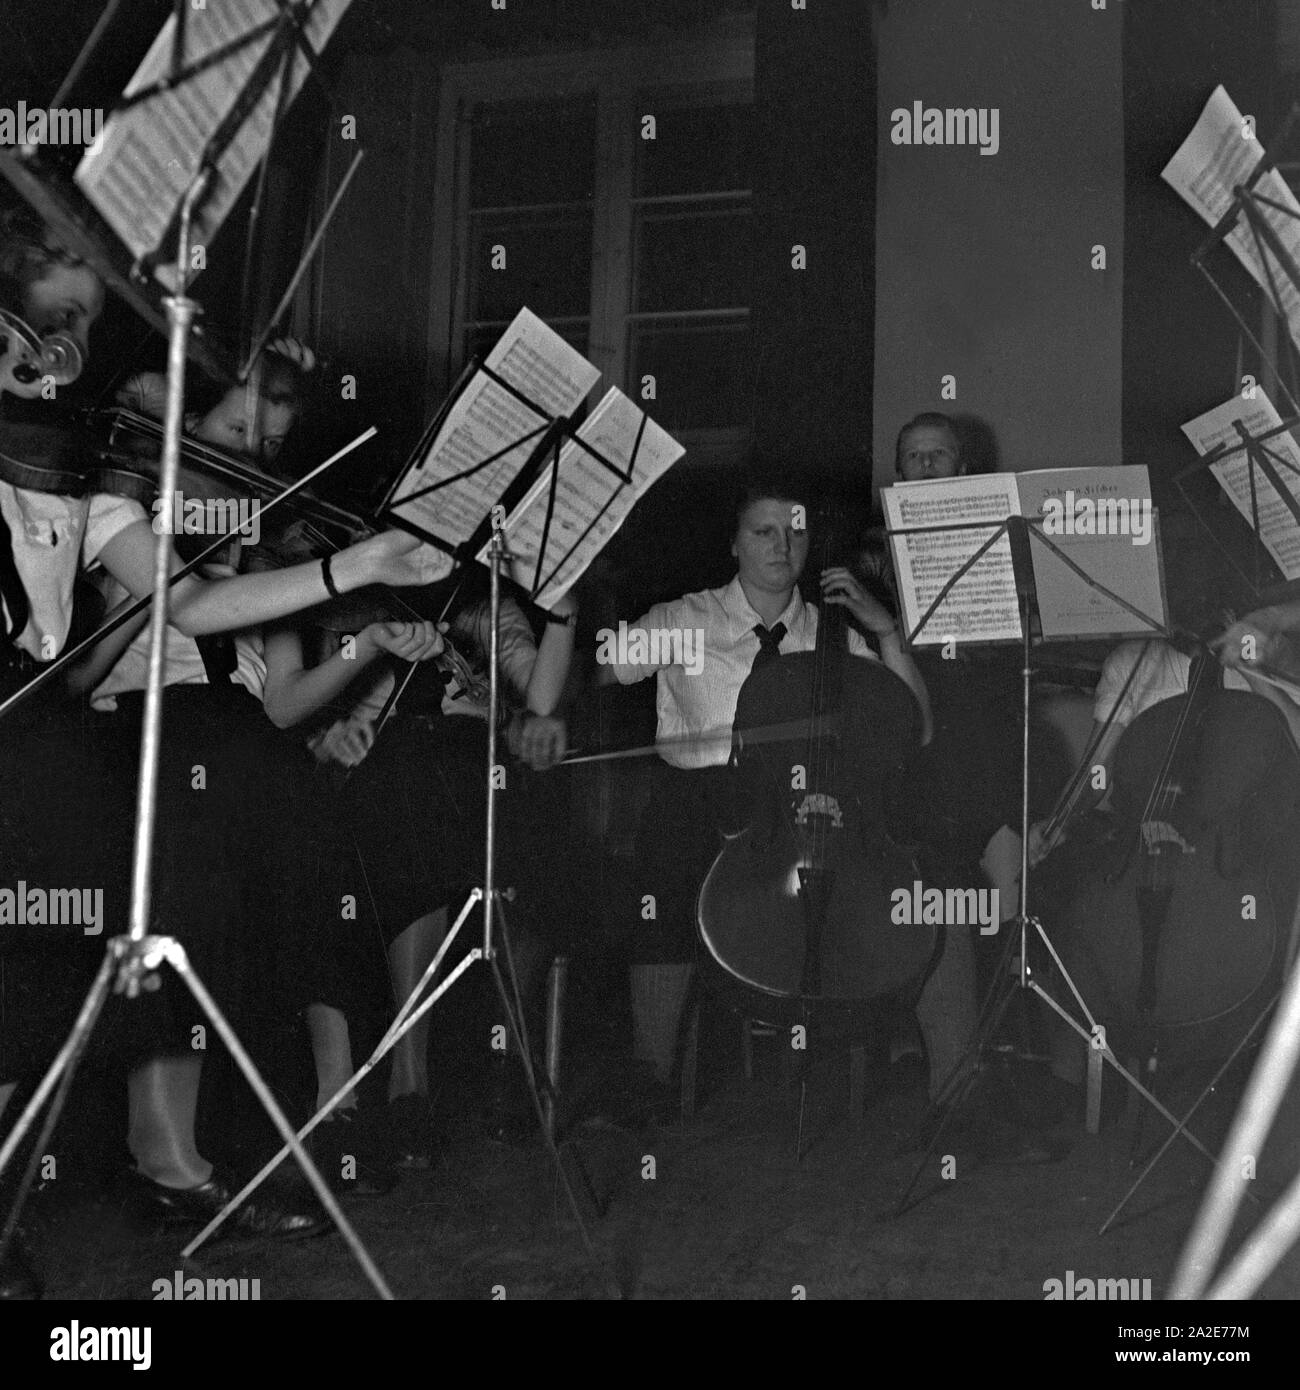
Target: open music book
{"x": 555, "y": 536}
{"x": 1219, "y": 154}
{"x": 1278, "y": 531}
{"x": 474, "y": 454}
{"x": 138, "y": 172}
{"x": 1100, "y": 519}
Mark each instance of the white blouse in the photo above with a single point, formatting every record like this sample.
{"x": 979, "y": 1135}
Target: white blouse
{"x": 53, "y": 537}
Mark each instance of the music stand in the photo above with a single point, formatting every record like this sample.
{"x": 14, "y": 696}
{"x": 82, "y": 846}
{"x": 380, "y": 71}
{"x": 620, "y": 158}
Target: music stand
{"x": 1260, "y": 459}
{"x": 1250, "y": 203}
{"x": 549, "y": 436}
{"x": 958, "y": 1086}
{"x": 133, "y": 959}
{"x": 1276, "y": 1234}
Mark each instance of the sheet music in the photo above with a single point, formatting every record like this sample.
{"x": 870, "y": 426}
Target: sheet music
{"x": 139, "y": 171}
{"x": 1126, "y": 561}
{"x": 1214, "y": 158}
{"x": 485, "y": 419}
{"x": 1277, "y": 527}
{"x": 591, "y": 502}
{"x": 982, "y": 606}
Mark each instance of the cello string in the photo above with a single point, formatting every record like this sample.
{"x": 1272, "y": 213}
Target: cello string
{"x": 1068, "y": 800}
{"x": 1159, "y": 799}
{"x": 1158, "y": 795}
{"x": 1163, "y": 792}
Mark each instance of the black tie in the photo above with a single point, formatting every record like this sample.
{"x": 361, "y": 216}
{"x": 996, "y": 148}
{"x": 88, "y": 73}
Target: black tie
{"x": 219, "y": 660}
{"x": 769, "y": 644}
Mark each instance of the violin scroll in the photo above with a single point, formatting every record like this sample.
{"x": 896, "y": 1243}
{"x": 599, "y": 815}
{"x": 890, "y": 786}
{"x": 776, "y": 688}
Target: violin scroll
{"x": 28, "y": 360}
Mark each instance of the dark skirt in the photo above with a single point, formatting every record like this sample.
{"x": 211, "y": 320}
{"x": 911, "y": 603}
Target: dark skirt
{"x": 53, "y": 840}
{"x": 244, "y": 854}
{"x": 679, "y": 838}
{"x": 416, "y": 810}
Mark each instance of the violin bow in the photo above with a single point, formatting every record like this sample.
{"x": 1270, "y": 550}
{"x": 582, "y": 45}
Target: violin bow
{"x": 390, "y": 704}
{"x": 73, "y": 653}
{"x": 784, "y": 732}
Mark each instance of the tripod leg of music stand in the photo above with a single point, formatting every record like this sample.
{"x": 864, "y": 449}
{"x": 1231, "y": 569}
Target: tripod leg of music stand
{"x": 518, "y": 1036}
{"x": 90, "y": 1010}
{"x": 556, "y": 983}
{"x": 325, "y": 1110}
{"x": 959, "y": 1083}
{"x": 1196, "y": 1105}
{"x": 407, "y": 1017}
{"x": 1109, "y": 1056}
{"x": 1096, "y": 1072}
{"x": 176, "y": 956}
{"x": 68, "y": 1059}
{"x": 964, "y": 1086}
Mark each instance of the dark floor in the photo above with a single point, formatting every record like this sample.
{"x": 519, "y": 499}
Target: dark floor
{"x": 712, "y": 1208}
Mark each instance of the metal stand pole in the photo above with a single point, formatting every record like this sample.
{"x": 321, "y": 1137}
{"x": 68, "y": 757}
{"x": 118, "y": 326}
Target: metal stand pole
{"x": 411, "y": 1012}
{"x": 138, "y": 955}
{"x": 556, "y": 986}
{"x": 959, "y": 1085}
{"x": 496, "y": 553}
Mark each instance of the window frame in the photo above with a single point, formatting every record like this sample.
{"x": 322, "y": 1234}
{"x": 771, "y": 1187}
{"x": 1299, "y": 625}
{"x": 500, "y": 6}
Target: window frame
{"x": 715, "y": 64}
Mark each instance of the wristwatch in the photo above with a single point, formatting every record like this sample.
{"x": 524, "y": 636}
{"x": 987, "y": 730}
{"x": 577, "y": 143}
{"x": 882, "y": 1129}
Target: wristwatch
{"x": 562, "y": 619}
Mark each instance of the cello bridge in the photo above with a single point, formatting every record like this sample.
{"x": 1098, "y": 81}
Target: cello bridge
{"x": 819, "y": 804}
{"x": 1158, "y": 833}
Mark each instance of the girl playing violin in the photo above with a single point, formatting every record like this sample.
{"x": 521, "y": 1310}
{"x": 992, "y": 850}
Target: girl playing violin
{"x": 49, "y": 809}
{"x": 263, "y": 827}
{"x": 414, "y": 802}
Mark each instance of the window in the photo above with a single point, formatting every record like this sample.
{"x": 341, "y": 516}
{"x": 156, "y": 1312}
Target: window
{"x": 689, "y": 285}
{"x": 531, "y": 181}
{"x": 635, "y": 249}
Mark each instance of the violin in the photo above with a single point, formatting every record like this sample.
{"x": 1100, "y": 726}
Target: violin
{"x": 118, "y": 451}
{"x": 131, "y": 449}
{"x": 314, "y": 528}
{"x": 797, "y": 906}
{"x": 27, "y": 357}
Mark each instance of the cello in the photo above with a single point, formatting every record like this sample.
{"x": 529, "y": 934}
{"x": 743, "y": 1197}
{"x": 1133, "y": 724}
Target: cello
{"x": 796, "y": 907}
{"x": 1176, "y": 928}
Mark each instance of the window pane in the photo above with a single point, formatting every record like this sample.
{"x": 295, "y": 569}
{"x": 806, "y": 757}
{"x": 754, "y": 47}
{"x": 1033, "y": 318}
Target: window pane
{"x": 697, "y": 258}
{"x": 547, "y": 265}
{"x": 701, "y": 372}
{"x": 481, "y": 339}
{"x": 524, "y": 153}
{"x": 696, "y": 149}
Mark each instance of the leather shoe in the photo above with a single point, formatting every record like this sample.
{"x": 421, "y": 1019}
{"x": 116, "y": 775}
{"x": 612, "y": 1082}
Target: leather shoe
{"x": 259, "y": 1215}
{"x": 410, "y": 1128}
{"x": 346, "y": 1145}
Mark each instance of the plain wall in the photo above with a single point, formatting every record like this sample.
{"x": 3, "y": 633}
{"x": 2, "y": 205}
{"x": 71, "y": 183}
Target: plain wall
{"x": 983, "y": 261}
